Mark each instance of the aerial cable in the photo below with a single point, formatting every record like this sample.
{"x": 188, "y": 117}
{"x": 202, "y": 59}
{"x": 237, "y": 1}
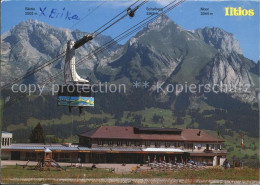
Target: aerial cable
{"x": 111, "y": 25}
{"x": 113, "y": 41}
{"x": 92, "y": 11}
{"x": 58, "y": 57}
{"x": 102, "y": 48}
{"x": 114, "y": 17}
{"x": 31, "y": 72}
{"x": 71, "y": 26}
{"x": 141, "y": 4}
{"x": 38, "y": 68}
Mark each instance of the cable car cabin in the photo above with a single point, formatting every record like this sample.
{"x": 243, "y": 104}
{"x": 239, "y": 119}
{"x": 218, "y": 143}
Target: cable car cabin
{"x": 76, "y": 91}
{"x": 76, "y": 95}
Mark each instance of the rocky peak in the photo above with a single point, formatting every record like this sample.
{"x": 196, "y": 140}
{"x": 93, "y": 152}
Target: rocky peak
{"x": 32, "y": 42}
{"x": 161, "y": 22}
{"x": 231, "y": 74}
{"x": 220, "y": 39}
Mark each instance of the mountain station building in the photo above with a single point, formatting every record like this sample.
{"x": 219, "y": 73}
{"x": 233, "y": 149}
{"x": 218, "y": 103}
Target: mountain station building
{"x": 125, "y": 144}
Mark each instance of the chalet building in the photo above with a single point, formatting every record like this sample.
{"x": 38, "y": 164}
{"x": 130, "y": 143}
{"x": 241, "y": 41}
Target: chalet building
{"x": 120, "y": 144}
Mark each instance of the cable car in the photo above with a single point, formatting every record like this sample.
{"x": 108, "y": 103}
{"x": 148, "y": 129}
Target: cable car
{"x": 76, "y": 91}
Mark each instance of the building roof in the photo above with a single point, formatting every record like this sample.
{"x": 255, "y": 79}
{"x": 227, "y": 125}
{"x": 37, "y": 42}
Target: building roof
{"x": 127, "y": 132}
{"x": 48, "y": 148}
{"x": 6, "y": 134}
{"x": 38, "y": 146}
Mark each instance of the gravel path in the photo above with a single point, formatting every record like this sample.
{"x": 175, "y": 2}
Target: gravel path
{"x": 118, "y": 167}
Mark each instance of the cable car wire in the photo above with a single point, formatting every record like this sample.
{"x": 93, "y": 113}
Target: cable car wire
{"x": 114, "y": 17}
{"x": 117, "y": 39}
{"x": 33, "y": 71}
{"x": 141, "y": 4}
{"x": 123, "y": 37}
{"x": 111, "y": 25}
{"x": 92, "y": 11}
{"x": 69, "y": 27}
{"x": 102, "y": 48}
{"x": 113, "y": 41}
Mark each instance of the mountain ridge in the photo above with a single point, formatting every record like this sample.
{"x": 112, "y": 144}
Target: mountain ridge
{"x": 162, "y": 51}
{"x": 174, "y": 55}
{"x": 32, "y": 43}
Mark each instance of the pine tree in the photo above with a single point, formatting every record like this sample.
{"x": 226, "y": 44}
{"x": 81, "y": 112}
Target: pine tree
{"x": 37, "y": 135}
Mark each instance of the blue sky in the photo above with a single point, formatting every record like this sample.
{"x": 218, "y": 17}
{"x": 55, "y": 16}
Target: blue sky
{"x": 187, "y": 15}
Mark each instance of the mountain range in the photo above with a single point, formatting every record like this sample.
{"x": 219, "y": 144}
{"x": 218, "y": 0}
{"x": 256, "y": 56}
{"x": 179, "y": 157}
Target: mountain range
{"x": 161, "y": 52}
{"x": 165, "y": 52}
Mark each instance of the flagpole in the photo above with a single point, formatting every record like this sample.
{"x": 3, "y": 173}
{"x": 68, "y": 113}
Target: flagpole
{"x": 217, "y": 145}
{"x": 242, "y": 146}
{"x": 241, "y": 149}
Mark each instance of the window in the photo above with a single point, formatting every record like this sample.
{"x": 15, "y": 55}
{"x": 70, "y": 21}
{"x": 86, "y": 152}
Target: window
{"x": 199, "y": 146}
{"x": 167, "y": 144}
{"x": 188, "y": 145}
{"x": 55, "y": 156}
{"x": 30, "y": 156}
{"x": 100, "y": 142}
{"x": 128, "y": 143}
{"x": 157, "y": 144}
{"x": 119, "y": 143}
{"x": 147, "y": 143}
{"x": 64, "y": 157}
{"x": 176, "y": 145}
{"x": 110, "y": 142}
{"x": 137, "y": 143}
